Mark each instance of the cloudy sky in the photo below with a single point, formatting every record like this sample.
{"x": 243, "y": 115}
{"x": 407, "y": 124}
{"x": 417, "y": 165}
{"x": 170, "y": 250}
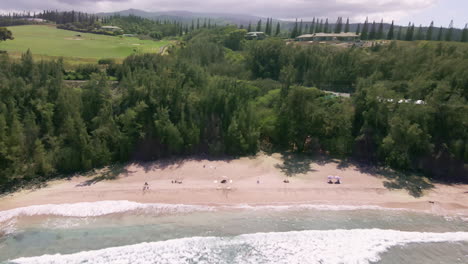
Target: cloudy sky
{"x": 402, "y": 11}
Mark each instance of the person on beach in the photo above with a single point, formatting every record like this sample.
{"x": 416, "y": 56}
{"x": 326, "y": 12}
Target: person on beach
{"x": 338, "y": 180}
{"x": 145, "y": 186}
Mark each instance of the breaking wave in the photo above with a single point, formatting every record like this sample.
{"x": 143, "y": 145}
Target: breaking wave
{"x": 330, "y": 246}
{"x": 98, "y": 209}
{"x": 92, "y": 209}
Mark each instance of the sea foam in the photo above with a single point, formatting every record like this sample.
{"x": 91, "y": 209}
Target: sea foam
{"x": 329, "y": 246}
{"x": 90, "y": 209}
{"x": 101, "y": 208}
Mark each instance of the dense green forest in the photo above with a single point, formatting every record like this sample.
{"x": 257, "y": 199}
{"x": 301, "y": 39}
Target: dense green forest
{"x": 218, "y": 94}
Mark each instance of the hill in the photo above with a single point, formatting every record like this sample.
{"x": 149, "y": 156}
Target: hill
{"x": 49, "y": 41}
{"x": 186, "y": 16}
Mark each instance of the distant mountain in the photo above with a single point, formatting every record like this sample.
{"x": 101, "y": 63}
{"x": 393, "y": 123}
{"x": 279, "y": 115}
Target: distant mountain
{"x": 186, "y": 16}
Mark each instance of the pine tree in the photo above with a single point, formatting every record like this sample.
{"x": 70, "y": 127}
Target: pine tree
{"x": 346, "y": 28}
{"x": 278, "y": 29}
{"x": 325, "y": 29}
{"x": 430, "y": 31}
{"x": 270, "y": 25}
{"x": 391, "y": 32}
{"x": 365, "y": 30}
{"x": 409, "y": 32}
{"x": 312, "y": 27}
{"x": 358, "y": 30}
{"x": 266, "y": 26}
{"x": 295, "y": 30}
{"x": 338, "y": 25}
{"x": 380, "y": 31}
{"x": 464, "y": 37}
{"x": 259, "y": 26}
{"x": 449, "y": 34}
{"x": 420, "y": 34}
{"x": 193, "y": 26}
{"x": 198, "y": 23}
{"x": 372, "y": 33}
{"x": 400, "y": 33}
{"x": 319, "y": 28}
{"x": 306, "y": 30}
{"x": 300, "y": 28}
{"x": 249, "y": 28}
{"x": 439, "y": 36}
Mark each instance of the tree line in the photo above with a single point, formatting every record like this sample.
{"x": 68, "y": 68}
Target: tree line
{"x": 219, "y": 94}
{"x": 381, "y": 30}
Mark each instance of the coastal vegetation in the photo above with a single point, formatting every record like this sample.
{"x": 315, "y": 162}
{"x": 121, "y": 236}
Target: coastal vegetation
{"x": 218, "y": 94}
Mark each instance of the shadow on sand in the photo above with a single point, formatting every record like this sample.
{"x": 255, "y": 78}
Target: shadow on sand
{"x": 175, "y": 163}
{"x": 106, "y": 174}
{"x": 294, "y": 164}
{"x": 415, "y": 184}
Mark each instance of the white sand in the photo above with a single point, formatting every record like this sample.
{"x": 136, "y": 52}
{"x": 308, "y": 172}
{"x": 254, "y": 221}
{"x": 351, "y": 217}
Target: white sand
{"x": 310, "y": 187}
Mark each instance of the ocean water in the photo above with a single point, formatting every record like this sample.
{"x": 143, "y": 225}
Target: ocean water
{"x": 127, "y": 232}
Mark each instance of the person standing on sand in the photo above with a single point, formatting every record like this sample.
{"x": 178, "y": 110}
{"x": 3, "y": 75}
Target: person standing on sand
{"x": 145, "y": 187}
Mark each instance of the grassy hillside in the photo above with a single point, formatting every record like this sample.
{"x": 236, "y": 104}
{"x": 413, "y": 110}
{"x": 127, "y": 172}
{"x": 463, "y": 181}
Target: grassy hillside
{"x": 48, "y": 41}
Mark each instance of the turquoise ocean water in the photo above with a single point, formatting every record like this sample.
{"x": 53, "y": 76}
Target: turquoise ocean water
{"x": 125, "y": 232}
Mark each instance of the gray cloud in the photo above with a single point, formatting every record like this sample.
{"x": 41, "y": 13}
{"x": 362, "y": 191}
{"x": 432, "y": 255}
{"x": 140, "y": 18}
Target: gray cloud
{"x": 286, "y": 9}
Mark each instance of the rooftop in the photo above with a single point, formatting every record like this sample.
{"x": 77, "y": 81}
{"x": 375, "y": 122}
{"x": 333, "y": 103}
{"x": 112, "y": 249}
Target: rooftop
{"x": 331, "y": 35}
{"x": 110, "y": 27}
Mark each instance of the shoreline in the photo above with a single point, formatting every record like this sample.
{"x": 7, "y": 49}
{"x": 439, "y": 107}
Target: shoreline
{"x": 201, "y": 186}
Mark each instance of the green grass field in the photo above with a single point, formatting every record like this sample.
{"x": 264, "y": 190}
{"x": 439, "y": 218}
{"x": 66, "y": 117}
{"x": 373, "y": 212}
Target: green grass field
{"x": 47, "y": 41}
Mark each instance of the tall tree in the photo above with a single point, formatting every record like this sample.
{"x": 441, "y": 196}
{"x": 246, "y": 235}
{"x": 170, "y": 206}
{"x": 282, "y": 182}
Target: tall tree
{"x": 400, "y": 33}
{"x": 319, "y": 28}
{"x": 346, "y": 28}
{"x": 259, "y": 26}
{"x": 249, "y": 28}
{"x": 373, "y": 33}
{"x": 295, "y": 31}
{"x": 410, "y": 32}
{"x": 430, "y": 31}
{"x": 339, "y": 25}
{"x": 449, "y": 34}
{"x": 358, "y": 29}
{"x": 420, "y": 33}
{"x": 464, "y": 37}
{"x": 312, "y": 27}
{"x": 440, "y": 35}
{"x": 325, "y": 29}
{"x": 380, "y": 33}
{"x": 365, "y": 30}
{"x": 391, "y": 31}
{"x": 278, "y": 29}
{"x": 300, "y": 28}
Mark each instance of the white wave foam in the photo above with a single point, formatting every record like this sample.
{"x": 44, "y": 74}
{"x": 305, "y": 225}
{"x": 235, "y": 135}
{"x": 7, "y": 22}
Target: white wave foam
{"x": 97, "y": 209}
{"x": 331, "y": 246}
{"x": 320, "y": 207}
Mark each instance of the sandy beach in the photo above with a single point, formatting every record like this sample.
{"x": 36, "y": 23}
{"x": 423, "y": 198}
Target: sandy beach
{"x": 255, "y": 180}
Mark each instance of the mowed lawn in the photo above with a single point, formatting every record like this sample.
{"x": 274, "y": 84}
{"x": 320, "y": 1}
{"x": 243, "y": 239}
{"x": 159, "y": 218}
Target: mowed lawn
{"x": 50, "y": 41}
